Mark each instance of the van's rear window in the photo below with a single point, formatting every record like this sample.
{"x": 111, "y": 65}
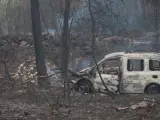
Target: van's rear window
{"x": 154, "y": 65}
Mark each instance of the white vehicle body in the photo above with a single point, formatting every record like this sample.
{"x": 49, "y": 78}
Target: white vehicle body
{"x": 127, "y": 72}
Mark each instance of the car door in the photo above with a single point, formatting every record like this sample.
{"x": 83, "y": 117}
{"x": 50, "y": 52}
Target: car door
{"x": 134, "y": 75}
{"x": 109, "y": 73}
{"x": 153, "y": 73}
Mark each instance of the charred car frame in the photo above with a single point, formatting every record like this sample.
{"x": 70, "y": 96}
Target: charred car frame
{"x": 121, "y": 72}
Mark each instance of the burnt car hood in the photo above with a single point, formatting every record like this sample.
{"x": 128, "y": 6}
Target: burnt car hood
{"x": 86, "y": 70}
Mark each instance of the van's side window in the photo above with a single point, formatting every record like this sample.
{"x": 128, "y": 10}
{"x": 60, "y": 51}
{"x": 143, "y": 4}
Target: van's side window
{"x": 135, "y": 65}
{"x": 154, "y": 65}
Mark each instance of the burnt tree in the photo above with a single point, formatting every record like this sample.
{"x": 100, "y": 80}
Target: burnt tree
{"x": 37, "y": 35}
{"x": 93, "y": 27}
{"x": 155, "y": 6}
{"x": 156, "y": 23}
{"x": 65, "y": 47}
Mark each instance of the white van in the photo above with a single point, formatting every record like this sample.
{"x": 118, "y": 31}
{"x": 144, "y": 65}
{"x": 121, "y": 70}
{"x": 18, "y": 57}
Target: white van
{"x": 123, "y": 72}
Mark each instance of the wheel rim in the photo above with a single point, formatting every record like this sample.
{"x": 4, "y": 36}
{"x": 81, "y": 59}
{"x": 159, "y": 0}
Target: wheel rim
{"x": 81, "y": 89}
{"x": 154, "y": 89}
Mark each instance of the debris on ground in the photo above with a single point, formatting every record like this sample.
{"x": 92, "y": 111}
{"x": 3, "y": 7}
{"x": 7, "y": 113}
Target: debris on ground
{"x": 143, "y": 104}
{"x": 147, "y": 103}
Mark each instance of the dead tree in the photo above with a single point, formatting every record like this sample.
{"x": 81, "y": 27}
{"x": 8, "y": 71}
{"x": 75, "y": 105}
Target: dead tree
{"x": 155, "y": 7}
{"x": 8, "y": 12}
{"x": 65, "y": 47}
{"x": 37, "y": 35}
{"x": 156, "y": 21}
{"x": 93, "y": 27}
{"x": 1, "y": 30}
{"x": 4, "y": 61}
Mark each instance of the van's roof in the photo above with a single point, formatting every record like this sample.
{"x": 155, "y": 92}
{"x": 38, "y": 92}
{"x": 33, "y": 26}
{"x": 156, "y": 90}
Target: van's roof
{"x": 133, "y": 55}
{"x": 151, "y": 55}
{"x": 144, "y": 55}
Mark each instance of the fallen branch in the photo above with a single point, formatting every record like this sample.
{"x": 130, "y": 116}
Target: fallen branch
{"x": 144, "y": 104}
{"x": 48, "y": 76}
{"x": 60, "y": 72}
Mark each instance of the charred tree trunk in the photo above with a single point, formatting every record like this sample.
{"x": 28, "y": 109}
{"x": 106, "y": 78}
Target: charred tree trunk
{"x": 37, "y": 35}
{"x": 1, "y": 30}
{"x": 8, "y": 12}
{"x": 93, "y": 27}
{"x": 155, "y": 7}
{"x": 65, "y": 47}
{"x": 156, "y": 23}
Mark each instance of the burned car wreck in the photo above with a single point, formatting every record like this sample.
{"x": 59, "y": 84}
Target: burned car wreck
{"x": 121, "y": 72}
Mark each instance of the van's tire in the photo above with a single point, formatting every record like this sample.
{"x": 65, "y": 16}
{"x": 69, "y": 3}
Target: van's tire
{"x": 84, "y": 86}
{"x": 152, "y": 88}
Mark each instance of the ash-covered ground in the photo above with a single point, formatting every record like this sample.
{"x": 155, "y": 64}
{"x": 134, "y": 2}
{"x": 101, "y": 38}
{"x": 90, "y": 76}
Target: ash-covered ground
{"x": 28, "y": 102}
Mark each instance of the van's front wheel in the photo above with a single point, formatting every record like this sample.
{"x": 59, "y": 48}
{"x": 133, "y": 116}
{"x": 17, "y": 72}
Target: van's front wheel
{"x": 84, "y": 87}
{"x": 152, "y": 88}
